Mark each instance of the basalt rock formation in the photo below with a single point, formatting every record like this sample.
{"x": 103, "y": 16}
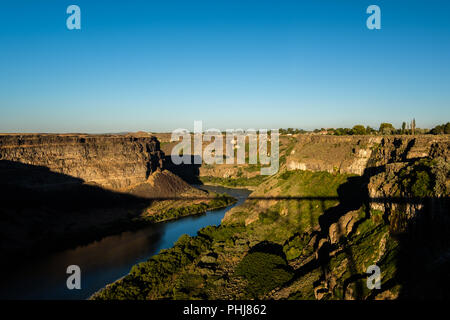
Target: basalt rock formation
{"x": 353, "y": 154}
{"x": 109, "y": 161}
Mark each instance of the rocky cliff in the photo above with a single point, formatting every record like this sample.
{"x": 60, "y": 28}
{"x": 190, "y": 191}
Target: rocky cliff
{"x": 353, "y": 154}
{"x": 113, "y": 162}
{"x": 333, "y": 154}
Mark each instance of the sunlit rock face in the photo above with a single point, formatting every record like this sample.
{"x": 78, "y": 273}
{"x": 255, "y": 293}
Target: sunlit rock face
{"x": 354, "y": 154}
{"x": 111, "y": 161}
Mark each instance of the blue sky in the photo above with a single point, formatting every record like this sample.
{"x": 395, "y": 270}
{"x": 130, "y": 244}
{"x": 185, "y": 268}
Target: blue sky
{"x": 160, "y": 65}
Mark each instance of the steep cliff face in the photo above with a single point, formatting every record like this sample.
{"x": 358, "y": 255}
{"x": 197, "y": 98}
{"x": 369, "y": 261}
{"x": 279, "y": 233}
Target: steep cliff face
{"x": 113, "y": 162}
{"x": 353, "y": 154}
{"x": 407, "y": 148}
{"x": 416, "y": 170}
{"x": 333, "y": 154}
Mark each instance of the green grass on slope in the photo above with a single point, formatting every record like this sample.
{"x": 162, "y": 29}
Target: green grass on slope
{"x": 264, "y": 271}
{"x": 234, "y": 182}
{"x": 294, "y": 216}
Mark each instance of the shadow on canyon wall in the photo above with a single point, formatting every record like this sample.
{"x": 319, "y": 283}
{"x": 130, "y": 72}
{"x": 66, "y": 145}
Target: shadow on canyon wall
{"x": 188, "y": 172}
{"x": 43, "y": 211}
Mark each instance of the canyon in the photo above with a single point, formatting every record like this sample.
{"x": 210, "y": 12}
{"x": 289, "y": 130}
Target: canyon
{"x": 337, "y": 205}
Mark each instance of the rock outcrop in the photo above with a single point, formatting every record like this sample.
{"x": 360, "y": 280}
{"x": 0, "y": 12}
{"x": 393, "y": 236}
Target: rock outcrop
{"x": 353, "y": 154}
{"x": 110, "y": 161}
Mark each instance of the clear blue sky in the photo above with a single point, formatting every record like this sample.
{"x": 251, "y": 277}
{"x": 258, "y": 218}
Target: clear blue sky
{"x": 160, "y": 65}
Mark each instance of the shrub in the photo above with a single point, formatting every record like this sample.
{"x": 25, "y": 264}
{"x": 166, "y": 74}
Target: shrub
{"x": 418, "y": 180}
{"x": 264, "y": 272}
{"x": 268, "y": 217}
{"x": 359, "y": 129}
{"x": 386, "y": 128}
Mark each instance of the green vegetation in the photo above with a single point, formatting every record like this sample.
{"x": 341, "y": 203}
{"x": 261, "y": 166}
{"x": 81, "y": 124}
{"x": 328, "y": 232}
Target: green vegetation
{"x": 291, "y": 131}
{"x": 369, "y": 245}
{"x": 263, "y": 272}
{"x": 297, "y": 246}
{"x": 313, "y": 184}
{"x": 418, "y": 179}
{"x": 157, "y": 278}
{"x": 359, "y": 129}
{"x": 234, "y": 182}
{"x": 153, "y": 274}
{"x": 221, "y": 233}
{"x": 386, "y": 128}
{"x": 219, "y": 201}
{"x": 252, "y": 168}
{"x": 286, "y": 150}
{"x": 441, "y": 129}
{"x": 425, "y": 178}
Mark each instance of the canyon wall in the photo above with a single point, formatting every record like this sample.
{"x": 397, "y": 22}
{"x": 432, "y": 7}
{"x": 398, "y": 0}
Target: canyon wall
{"x": 110, "y": 161}
{"x": 333, "y": 154}
{"x": 353, "y": 154}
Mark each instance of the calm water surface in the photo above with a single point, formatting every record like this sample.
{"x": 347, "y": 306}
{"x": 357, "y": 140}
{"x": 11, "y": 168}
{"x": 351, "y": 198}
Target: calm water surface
{"x": 107, "y": 260}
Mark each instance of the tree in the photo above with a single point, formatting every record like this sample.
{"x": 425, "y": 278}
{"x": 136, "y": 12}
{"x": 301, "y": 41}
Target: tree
{"x": 437, "y": 130}
{"x": 386, "y": 128}
{"x": 359, "y": 129}
{"x": 441, "y": 129}
{"x": 403, "y": 127}
{"x": 370, "y": 130}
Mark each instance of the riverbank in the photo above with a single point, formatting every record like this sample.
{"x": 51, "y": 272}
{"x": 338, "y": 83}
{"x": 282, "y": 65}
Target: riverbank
{"x": 218, "y": 202}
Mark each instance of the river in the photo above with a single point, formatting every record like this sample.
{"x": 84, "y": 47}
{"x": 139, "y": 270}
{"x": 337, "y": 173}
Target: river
{"x": 104, "y": 261}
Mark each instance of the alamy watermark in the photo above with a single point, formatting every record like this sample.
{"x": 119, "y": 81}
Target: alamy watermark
{"x": 236, "y": 151}
{"x": 74, "y": 280}
{"x": 374, "y": 20}
{"x": 374, "y": 278}
{"x": 74, "y": 20}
